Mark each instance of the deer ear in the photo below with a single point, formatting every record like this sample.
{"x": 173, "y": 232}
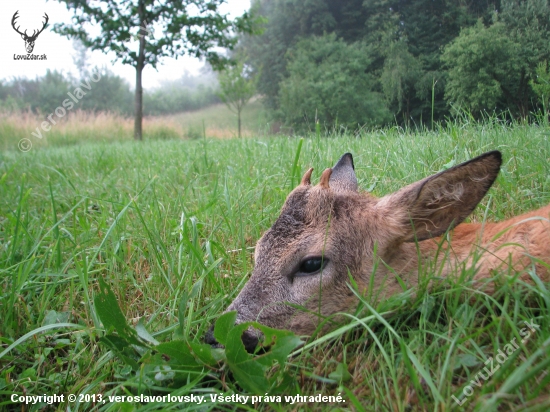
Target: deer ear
{"x": 430, "y": 207}
{"x": 343, "y": 175}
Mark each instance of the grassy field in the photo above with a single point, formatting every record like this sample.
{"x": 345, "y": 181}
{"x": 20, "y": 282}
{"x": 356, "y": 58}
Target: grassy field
{"x": 219, "y": 122}
{"x": 79, "y": 127}
{"x": 171, "y": 221}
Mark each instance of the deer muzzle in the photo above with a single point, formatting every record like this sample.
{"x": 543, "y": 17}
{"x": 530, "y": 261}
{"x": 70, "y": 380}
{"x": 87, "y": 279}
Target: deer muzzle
{"x": 249, "y": 338}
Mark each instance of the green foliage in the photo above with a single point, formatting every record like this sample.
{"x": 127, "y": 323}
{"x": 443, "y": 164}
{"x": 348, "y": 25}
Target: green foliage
{"x": 193, "y": 28}
{"x": 41, "y": 95}
{"x": 237, "y": 87}
{"x": 422, "y": 29}
{"x": 541, "y": 84}
{"x": 484, "y": 68}
{"x": 287, "y": 22}
{"x": 110, "y": 94}
{"x": 44, "y": 94}
{"x": 405, "y": 39}
{"x": 177, "y": 99}
{"x": 327, "y": 83}
{"x": 52, "y": 90}
{"x": 491, "y": 68}
{"x": 174, "y": 362}
{"x": 400, "y": 76}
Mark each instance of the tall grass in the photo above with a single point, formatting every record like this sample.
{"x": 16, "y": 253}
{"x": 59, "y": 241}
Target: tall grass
{"x": 77, "y": 127}
{"x": 162, "y": 218}
{"x": 217, "y": 121}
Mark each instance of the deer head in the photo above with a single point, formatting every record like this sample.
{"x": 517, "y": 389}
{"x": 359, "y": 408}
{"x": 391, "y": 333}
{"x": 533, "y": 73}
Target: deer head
{"x": 29, "y": 40}
{"x": 329, "y": 232}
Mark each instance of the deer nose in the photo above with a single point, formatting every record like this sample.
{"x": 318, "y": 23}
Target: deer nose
{"x": 210, "y": 339}
{"x": 249, "y": 340}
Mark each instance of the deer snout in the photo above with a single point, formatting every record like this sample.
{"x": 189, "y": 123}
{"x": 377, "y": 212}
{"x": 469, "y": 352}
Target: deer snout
{"x": 250, "y": 340}
{"x": 210, "y": 339}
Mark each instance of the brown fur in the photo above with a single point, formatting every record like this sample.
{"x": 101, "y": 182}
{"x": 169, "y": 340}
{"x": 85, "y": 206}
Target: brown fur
{"x": 333, "y": 221}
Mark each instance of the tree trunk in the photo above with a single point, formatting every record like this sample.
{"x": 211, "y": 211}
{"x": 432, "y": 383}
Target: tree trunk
{"x": 408, "y": 111}
{"x": 138, "y": 135}
{"x": 239, "y": 121}
{"x": 138, "y": 106}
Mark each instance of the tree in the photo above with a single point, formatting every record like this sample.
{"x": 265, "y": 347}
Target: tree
{"x": 111, "y": 94}
{"x": 541, "y": 85}
{"x": 52, "y": 90}
{"x": 194, "y": 27}
{"x": 484, "y": 69}
{"x": 493, "y": 67}
{"x": 81, "y": 58}
{"x": 399, "y": 78}
{"x": 528, "y": 24}
{"x": 237, "y": 87}
{"x": 328, "y": 83}
{"x": 288, "y": 21}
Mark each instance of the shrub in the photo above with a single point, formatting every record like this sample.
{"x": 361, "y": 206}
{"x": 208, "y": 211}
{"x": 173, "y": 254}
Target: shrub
{"x": 328, "y": 83}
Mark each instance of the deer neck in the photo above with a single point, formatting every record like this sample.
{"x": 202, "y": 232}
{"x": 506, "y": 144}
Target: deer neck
{"x": 481, "y": 248}
{"x": 441, "y": 257}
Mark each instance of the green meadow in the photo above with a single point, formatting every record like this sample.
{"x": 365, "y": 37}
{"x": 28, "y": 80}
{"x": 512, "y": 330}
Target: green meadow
{"x": 169, "y": 225}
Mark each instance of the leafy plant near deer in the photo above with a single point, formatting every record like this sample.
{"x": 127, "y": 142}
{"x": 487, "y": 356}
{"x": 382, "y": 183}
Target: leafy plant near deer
{"x": 180, "y": 360}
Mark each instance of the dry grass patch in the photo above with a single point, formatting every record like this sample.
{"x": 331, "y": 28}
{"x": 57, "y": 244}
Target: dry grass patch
{"x": 77, "y": 127}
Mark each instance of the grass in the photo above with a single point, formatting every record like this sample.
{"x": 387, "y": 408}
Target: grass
{"x": 77, "y": 127}
{"x": 161, "y": 218}
{"x": 219, "y": 122}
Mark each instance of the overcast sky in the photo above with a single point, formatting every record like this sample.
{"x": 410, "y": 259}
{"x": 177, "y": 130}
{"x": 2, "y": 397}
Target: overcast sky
{"x": 59, "y": 50}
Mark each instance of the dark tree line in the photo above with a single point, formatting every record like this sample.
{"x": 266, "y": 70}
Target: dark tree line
{"x": 369, "y": 62}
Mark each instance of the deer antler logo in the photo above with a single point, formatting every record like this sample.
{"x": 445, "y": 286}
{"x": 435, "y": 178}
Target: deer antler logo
{"x": 29, "y": 40}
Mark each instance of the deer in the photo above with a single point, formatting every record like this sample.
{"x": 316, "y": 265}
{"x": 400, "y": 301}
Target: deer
{"x": 29, "y": 40}
{"x": 329, "y": 232}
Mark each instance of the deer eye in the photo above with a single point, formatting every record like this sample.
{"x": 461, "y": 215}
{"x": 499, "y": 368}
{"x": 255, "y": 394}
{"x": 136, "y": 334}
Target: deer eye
{"x": 311, "y": 265}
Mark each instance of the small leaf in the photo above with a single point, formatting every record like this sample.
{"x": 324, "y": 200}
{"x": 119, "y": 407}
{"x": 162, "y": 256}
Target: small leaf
{"x": 109, "y": 312}
{"x": 223, "y": 325}
{"x": 281, "y": 342}
{"x": 203, "y": 352}
{"x": 177, "y": 354}
{"x": 29, "y": 374}
{"x": 126, "y": 370}
{"x": 175, "y": 360}
{"x": 53, "y": 317}
{"x": 250, "y": 371}
{"x": 467, "y": 360}
{"x": 122, "y": 349}
{"x": 427, "y": 306}
{"x": 164, "y": 373}
{"x": 450, "y": 164}
{"x": 182, "y": 308}
{"x": 144, "y": 334}
{"x": 61, "y": 343}
{"x": 341, "y": 373}
{"x": 234, "y": 347}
